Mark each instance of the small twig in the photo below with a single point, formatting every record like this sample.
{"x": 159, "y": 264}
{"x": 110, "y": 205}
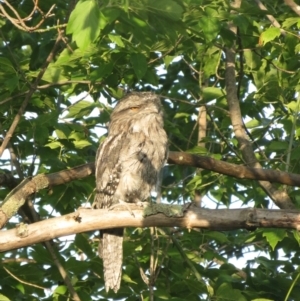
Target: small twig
{"x": 270, "y": 62}
{"x": 20, "y": 22}
{"x": 219, "y": 77}
{"x": 56, "y": 261}
{"x": 190, "y": 66}
{"x": 63, "y": 272}
{"x": 295, "y": 115}
{"x": 15, "y": 162}
{"x": 46, "y": 86}
{"x": 16, "y": 62}
{"x": 142, "y": 273}
{"x": 165, "y": 254}
{"x": 79, "y": 100}
{"x": 22, "y": 281}
{"x": 185, "y": 258}
{"x": 223, "y": 137}
{"x": 291, "y": 287}
{"x": 9, "y": 260}
{"x": 241, "y": 60}
{"x": 166, "y": 53}
{"x": 152, "y": 265}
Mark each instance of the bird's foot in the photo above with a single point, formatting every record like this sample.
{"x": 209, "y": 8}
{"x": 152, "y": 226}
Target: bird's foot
{"x": 120, "y": 204}
{"x": 141, "y": 204}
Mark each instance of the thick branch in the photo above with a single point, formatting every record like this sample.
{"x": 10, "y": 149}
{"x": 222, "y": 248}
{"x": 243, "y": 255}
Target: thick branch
{"x": 88, "y": 220}
{"x": 280, "y": 198}
{"x": 18, "y": 195}
{"x": 234, "y": 170}
{"x": 16, "y": 198}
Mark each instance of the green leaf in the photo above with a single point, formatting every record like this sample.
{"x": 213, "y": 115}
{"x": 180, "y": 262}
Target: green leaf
{"x": 269, "y": 35}
{"x": 225, "y": 290}
{"x": 83, "y": 244}
{"x": 4, "y": 298}
{"x": 278, "y": 145}
{"x": 41, "y": 134}
{"x": 218, "y": 236}
{"x": 60, "y": 134}
{"x": 60, "y": 290}
{"x": 166, "y": 8}
{"x": 111, "y": 14}
{"x": 139, "y": 64}
{"x": 252, "y": 59}
{"x": 116, "y": 39}
{"x": 103, "y": 70}
{"x": 54, "y": 74}
{"x": 252, "y": 123}
{"x": 296, "y": 235}
{"x": 168, "y": 59}
{"x": 80, "y": 109}
{"x": 212, "y": 60}
{"x": 84, "y": 23}
{"x": 12, "y": 83}
{"x": 127, "y": 279}
{"x": 293, "y": 106}
{"x": 54, "y": 144}
{"x": 6, "y": 66}
{"x": 82, "y": 144}
{"x": 211, "y": 93}
{"x": 289, "y": 22}
{"x": 197, "y": 150}
{"x": 2, "y": 22}
{"x": 210, "y": 27}
{"x": 274, "y": 236}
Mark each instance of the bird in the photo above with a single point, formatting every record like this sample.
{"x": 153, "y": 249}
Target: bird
{"x": 128, "y": 163}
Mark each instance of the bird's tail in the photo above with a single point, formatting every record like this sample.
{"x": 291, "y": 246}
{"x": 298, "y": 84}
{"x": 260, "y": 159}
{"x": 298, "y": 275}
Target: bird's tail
{"x": 111, "y": 252}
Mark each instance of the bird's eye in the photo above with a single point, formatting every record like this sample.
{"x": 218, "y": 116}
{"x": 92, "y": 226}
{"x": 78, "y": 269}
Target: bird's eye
{"x": 134, "y": 108}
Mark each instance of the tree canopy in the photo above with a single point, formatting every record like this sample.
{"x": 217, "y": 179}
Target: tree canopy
{"x": 228, "y": 76}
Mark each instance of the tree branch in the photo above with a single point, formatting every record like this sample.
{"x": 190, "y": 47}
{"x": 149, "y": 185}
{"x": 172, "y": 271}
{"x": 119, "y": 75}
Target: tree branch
{"x": 20, "y": 22}
{"x": 234, "y": 170}
{"x": 295, "y": 7}
{"x": 279, "y": 197}
{"x": 16, "y": 198}
{"x": 271, "y": 18}
{"x": 85, "y": 220}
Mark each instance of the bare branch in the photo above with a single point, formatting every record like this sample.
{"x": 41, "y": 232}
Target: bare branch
{"x": 85, "y": 220}
{"x": 270, "y": 17}
{"x": 49, "y": 246}
{"x": 295, "y": 7}
{"x": 20, "y": 22}
{"x": 22, "y": 281}
{"x": 29, "y": 186}
{"x": 234, "y": 170}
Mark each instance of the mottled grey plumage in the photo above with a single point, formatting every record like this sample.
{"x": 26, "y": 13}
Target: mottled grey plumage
{"x": 127, "y": 166}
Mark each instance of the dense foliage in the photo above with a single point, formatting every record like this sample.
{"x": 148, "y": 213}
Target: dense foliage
{"x": 228, "y": 75}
